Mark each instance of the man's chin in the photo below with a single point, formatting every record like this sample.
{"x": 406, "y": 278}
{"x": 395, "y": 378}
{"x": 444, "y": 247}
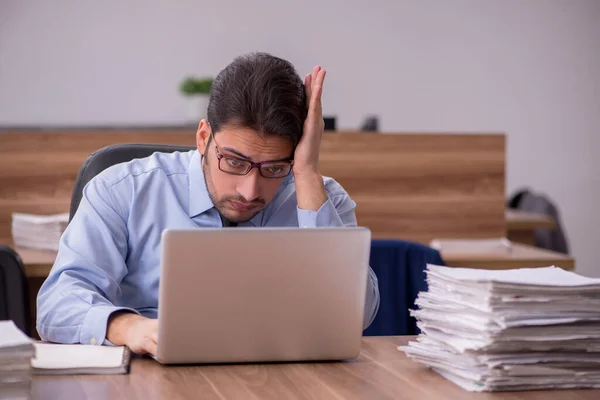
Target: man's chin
{"x": 239, "y": 217}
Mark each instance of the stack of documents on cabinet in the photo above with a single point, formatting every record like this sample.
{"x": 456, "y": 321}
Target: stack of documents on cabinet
{"x": 471, "y": 246}
{"x": 521, "y": 329}
{"x": 38, "y": 231}
{"x": 16, "y": 353}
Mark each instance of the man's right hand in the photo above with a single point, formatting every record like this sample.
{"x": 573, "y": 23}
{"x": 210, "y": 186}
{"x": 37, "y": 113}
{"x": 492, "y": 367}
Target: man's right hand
{"x": 138, "y": 333}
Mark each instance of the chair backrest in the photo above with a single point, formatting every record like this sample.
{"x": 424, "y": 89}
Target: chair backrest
{"x": 111, "y": 155}
{"x": 14, "y": 295}
{"x": 554, "y": 239}
{"x": 400, "y": 269}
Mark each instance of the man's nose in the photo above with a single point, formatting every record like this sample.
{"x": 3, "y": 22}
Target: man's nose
{"x": 248, "y": 187}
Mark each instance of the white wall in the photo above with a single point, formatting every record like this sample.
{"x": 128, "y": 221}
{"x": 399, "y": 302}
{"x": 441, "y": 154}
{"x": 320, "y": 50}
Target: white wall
{"x": 528, "y": 68}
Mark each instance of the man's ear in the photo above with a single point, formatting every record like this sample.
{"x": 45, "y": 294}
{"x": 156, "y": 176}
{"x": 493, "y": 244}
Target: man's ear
{"x": 202, "y": 136}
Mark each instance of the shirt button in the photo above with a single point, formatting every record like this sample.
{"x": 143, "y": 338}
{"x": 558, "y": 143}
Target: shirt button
{"x": 93, "y": 341}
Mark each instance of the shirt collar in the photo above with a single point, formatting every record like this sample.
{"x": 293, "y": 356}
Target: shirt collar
{"x": 199, "y": 200}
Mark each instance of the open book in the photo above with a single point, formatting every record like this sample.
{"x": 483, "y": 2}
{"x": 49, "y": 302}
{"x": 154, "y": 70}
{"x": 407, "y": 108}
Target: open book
{"x": 67, "y": 359}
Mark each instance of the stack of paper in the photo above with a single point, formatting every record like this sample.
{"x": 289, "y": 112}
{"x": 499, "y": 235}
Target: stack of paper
{"x": 522, "y": 329}
{"x": 38, "y": 231}
{"x": 16, "y": 352}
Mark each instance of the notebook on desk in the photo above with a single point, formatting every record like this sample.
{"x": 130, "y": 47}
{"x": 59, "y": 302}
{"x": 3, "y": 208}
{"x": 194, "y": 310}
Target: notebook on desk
{"x": 71, "y": 359}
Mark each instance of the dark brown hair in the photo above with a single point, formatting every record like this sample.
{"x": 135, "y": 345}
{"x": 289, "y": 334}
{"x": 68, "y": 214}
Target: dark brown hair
{"x": 261, "y": 92}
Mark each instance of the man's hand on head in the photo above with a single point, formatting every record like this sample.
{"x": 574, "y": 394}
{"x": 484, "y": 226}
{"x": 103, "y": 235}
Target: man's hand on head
{"x": 138, "y": 333}
{"x": 310, "y": 189}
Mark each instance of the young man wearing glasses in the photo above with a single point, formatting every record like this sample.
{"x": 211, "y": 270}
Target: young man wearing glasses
{"x": 257, "y": 164}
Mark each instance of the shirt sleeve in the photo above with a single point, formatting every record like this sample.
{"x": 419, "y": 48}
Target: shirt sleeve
{"x": 338, "y": 211}
{"x": 76, "y": 300}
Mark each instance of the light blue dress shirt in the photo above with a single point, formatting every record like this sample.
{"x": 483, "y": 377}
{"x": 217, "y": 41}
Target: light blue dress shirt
{"x": 109, "y": 256}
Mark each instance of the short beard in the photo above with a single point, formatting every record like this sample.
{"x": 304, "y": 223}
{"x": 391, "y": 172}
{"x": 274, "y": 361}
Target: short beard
{"x": 219, "y": 207}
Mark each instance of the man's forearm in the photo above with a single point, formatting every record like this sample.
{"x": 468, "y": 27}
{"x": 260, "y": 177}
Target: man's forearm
{"x": 310, "y": 191}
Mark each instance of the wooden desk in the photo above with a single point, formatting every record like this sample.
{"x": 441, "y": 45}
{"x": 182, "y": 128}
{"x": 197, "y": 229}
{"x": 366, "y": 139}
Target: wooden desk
{"x": 521, "y": 225}
{"x": 381, "y": 372}
{"x": 521, "y": 256}
{"x": 38, "y": 262}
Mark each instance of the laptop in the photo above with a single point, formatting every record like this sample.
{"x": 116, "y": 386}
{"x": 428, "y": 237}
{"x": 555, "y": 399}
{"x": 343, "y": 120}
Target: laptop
{"x": 247, "y": 295}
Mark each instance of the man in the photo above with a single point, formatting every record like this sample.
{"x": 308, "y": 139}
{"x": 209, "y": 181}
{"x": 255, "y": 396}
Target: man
{"x": 257, "y": 164}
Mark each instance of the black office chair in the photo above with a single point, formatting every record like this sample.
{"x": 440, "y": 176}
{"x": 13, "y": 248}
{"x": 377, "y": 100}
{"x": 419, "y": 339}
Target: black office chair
{"x": 14, "y": 294}
{"x": 111, "y": 155}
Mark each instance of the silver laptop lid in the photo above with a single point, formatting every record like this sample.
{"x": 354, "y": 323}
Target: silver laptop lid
{"x": 262, "y": 294}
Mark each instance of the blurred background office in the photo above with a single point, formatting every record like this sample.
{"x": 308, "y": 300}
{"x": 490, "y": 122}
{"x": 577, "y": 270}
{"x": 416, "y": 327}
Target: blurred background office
{"x": 529, "y": 69}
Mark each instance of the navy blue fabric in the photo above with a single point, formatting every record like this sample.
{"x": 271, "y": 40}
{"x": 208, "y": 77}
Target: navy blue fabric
{"x": 400, "y": 269}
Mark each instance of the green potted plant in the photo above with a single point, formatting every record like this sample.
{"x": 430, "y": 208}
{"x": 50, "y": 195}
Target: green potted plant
{"x": 196, "y": 91}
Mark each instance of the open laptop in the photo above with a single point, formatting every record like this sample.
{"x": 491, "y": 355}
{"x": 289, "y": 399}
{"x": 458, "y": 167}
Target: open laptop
{"x": 230, "y": 295}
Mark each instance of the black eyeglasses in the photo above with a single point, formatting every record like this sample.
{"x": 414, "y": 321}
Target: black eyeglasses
{"x": 237, "y": 166}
